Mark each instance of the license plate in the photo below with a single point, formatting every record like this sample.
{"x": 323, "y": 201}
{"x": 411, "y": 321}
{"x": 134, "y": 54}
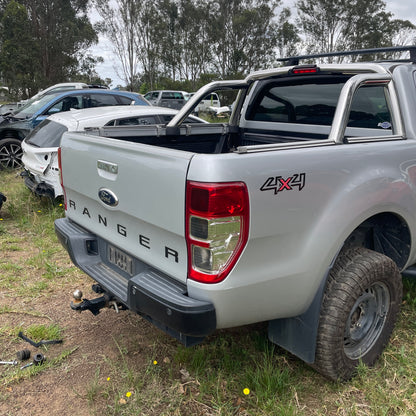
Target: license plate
{"x": 120, "y": 259}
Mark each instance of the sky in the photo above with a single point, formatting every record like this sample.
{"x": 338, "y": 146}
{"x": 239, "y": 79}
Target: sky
{"x": 401, "y": 9}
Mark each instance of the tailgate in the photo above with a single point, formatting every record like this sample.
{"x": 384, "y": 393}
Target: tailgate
{"x": 37, "y": 159}
{"x": 131, "y": 195}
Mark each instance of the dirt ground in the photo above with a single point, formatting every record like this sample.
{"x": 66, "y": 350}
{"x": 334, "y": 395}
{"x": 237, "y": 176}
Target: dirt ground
{"x": 63, "y": 388}
{"x": 74, "y": 379}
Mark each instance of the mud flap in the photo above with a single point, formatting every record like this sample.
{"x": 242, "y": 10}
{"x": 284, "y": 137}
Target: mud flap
{"x": 298, "y": 334}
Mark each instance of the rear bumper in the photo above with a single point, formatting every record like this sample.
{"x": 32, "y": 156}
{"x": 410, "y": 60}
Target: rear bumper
{"x": 149, "y": 292}
{"x": 38, "y": 188}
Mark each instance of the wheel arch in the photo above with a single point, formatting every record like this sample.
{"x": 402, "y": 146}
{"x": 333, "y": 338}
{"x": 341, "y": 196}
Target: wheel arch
{"x": 11, "y": 134}
{"x": 298, "y": 334}
{"x": 387, "y": 233}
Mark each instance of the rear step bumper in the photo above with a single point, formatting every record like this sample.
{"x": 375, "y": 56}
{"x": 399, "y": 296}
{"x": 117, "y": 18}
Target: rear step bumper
{"x": 157, "y": 297}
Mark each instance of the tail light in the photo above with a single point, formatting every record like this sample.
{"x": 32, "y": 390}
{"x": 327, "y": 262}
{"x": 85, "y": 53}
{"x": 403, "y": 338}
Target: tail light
{"x": 217, "y": 223}
{"x": 60, "y": 174}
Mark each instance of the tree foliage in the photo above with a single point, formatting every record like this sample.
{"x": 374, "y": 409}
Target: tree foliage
{"x": 47, "y": 38}
{"x": 287, "y": 34}
{"x": 184, "y": 39}
{"x": 181, "y": 44}
{"x": 334, "y": 25}
{"x": 243, "y": 35}
{"x": 119, "y": 24}
{"x": 19, "y": 56}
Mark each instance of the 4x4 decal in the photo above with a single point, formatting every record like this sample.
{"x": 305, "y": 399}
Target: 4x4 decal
{"x": 279, "y": 184}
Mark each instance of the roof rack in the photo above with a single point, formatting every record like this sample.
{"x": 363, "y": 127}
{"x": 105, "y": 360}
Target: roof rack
{"x": 294, "y": 60}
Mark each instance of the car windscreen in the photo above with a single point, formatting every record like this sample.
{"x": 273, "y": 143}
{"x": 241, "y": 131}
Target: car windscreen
{"x": 46, "y": 134}
{"x": 32, "y": 107}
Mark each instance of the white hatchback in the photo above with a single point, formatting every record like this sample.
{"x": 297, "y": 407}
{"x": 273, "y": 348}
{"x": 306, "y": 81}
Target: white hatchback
{"x": 40, "y": 147}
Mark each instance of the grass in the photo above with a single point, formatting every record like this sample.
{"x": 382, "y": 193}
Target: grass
{"x": 234, "y": 372}
{"x": 27, "y": 235}
{"x": 212, "y": 378}
{"x": 30, "y": 268}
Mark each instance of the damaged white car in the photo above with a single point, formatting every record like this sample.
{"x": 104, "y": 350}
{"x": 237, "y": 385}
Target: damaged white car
{"x": 40, "y": 147}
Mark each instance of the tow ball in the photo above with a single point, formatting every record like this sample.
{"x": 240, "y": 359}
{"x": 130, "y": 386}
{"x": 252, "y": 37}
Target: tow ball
{"x": 94, "y": 305}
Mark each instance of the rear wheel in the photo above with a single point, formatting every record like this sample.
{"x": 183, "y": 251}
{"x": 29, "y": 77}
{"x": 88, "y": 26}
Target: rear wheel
{"x": 358, "y": 313}
{"x": 10, "y": 153}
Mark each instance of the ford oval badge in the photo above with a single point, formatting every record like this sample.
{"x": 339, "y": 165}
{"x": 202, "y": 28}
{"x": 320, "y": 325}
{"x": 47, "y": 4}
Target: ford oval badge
{"x": 108, "y": 197}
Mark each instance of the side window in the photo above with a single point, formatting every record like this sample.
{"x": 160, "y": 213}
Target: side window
{"x": 65, "y": 104}
{"x": 125, "y": 100}
{"x": 99, "y": 100}
{"x": 370, "y": 108}
{"x": 56, "y": 108}
{"x": 136, "y": 121}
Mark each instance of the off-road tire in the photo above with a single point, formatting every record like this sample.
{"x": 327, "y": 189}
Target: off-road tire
{"x": 10, "y": 153}
{"x": 359, "y": 310}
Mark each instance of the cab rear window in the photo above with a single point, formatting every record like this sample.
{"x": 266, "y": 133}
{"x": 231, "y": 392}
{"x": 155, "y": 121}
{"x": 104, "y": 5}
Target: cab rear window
{"x": 313, "y": 101}
{"x": 309, "y": 101}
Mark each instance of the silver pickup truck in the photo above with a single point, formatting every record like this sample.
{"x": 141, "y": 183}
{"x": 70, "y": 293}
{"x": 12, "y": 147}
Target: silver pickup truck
{"x": 301, "y": 211}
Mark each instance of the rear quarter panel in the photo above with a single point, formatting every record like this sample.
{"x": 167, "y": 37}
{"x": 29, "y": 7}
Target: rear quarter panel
{"x": 296, "y": 233}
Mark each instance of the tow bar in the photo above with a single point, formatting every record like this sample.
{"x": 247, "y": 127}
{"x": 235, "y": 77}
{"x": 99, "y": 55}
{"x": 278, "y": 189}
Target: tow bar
{"x": 94, "y": 305}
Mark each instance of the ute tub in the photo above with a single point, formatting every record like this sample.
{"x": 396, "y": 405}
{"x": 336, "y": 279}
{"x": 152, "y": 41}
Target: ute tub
{"x": 149, "y": 292}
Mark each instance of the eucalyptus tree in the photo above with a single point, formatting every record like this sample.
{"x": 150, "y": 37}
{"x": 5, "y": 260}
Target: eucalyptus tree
{"x": 331, "y": 25}
{"x": 150, "y": 33}
{"x": 243, "y": 35}
{"x": 19, "y": 54}
{"x": 379, "y": 31}
{"x": 287, "y": 34}
{"x": 170, "y": 37}
{"x": 118, "y": 24}
{"x": 185, "y": 40}
{"x": 62, "y": 30}
{"x": 135, "y": 30}
{"x": 41, "y": 41}
{"x": 186, "y": 49}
